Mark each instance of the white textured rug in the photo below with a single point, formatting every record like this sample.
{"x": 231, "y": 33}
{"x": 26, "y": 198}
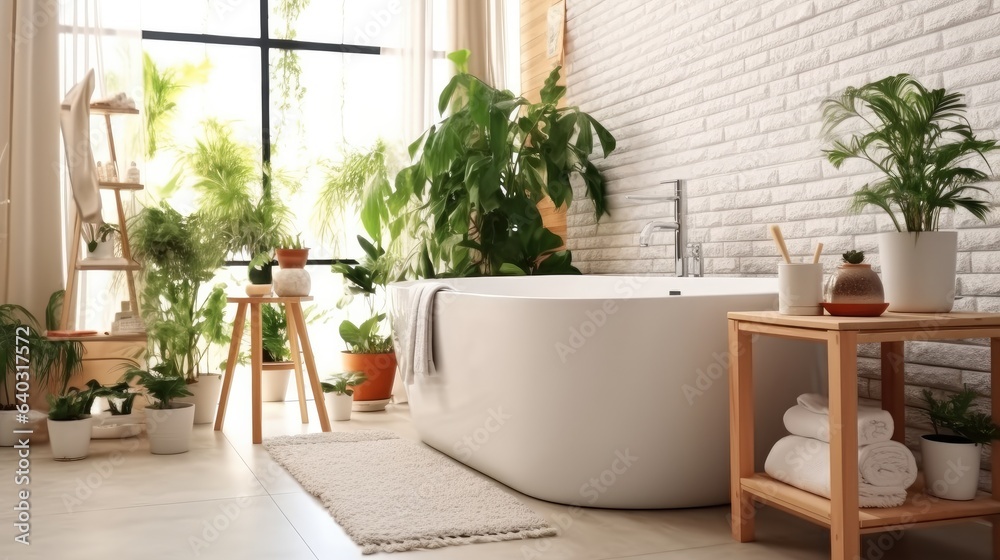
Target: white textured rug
{"x": 392, "y": 494}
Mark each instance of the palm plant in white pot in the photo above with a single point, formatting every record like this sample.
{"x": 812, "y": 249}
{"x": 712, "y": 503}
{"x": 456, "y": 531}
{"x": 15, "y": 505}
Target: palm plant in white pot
{"x": 168, "y": 422}
{"x": 921, "y": 142}
{"x": 69, "y": 423}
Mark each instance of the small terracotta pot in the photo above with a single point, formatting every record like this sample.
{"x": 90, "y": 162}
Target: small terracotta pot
{"x": 380, "y": 369}
{"x": 292, "y": 258}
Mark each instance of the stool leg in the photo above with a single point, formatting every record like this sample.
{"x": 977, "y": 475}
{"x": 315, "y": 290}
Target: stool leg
{"x": 293, "y": 342}
{"x": 300, "y": 324}
{"x": 234, "y": 352}
{"x": 256, "y": 361}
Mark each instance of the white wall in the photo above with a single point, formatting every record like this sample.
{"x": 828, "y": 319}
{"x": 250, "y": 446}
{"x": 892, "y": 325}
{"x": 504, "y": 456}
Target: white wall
{"x": 725, "y": 94}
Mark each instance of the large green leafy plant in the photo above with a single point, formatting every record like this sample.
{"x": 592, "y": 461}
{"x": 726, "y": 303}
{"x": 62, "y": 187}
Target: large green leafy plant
{"x": 478, "y": 175}
{"x": 181, "y": 254}
{"x": 367, "y": 279}
{"x": 360, "y": 182}
{"x": 919, "y": 139}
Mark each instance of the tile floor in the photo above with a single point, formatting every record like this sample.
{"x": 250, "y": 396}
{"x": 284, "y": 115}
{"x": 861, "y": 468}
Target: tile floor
{"x": 226, "y": 499}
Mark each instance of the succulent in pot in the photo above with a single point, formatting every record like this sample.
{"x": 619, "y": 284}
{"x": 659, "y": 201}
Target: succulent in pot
{"x": 854, "y": 281}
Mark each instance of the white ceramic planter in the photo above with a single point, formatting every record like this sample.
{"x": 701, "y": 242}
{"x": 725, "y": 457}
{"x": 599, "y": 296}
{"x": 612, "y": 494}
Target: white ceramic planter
{"x": 951, "y": 470}
{"x": 338, "y": 407}
{"x": 291, "y": 282}
{"x": 170, "y": 429}
{"x": 8, "y": 424}
{"x": 104, "y": 250}
{"x": 274, "y": 384}
{"x": 918, "y": 270}
{"x": 70, "y": 439}
{"x": 206, "y": 397}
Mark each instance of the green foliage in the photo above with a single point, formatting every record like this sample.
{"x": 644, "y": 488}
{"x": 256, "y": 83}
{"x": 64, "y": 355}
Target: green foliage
{"x": 161, "y": 91}
{"x": 479, "y": 174}
{"x": 341, "y": 383}
{"x": 93, "y": 233}
{"x": 163, "y": 384}
{"x": 180, "y": 254}
{"x": 368, "y": 280}
{"x": 274, "y": 334}
{"x": 920, "y": 140}
{"x": 954, "y": 414}
{"x": 291, "y": 242}
{"x": 359, "y": 182}
{"x": 854, "y": 257}
{"x": 73, "y": 404}
{"x": 120, "y": 397}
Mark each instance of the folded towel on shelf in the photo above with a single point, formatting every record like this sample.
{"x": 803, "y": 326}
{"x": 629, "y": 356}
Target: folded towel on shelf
{"x": 874, "y": 424}
{"x": 420, "y": 345}
{"x": 117, "y": 101}
{"x": 885, "y": 470}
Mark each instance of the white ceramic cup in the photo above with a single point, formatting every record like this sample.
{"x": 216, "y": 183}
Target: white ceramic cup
{"x": 800, "y": 289}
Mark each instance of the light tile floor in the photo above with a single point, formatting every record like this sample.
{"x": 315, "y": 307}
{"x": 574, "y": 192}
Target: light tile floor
{"x": 226, "y": 499}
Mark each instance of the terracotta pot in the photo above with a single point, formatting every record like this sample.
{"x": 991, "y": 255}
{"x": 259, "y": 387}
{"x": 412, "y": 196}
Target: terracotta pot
{"x": 292, "y": 258}
{"x": 855, "y": 283}
{"x": 380, "y": 369}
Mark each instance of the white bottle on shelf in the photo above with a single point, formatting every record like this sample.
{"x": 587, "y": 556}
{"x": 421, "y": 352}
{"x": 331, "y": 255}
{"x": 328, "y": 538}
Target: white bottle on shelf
{"x": 132, "y": 174}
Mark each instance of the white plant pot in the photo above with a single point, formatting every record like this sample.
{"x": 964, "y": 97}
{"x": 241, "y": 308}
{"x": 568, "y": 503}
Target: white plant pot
{"x": 170, "y": 429}
{"x": 918, "y": 270}
{"x": 8, "y": 423}
{"x": 70, "y": 439}
{"x": 274, "y": 384}
{"x": 951, "y": 469}
{"x": 104, "y": 250}
{"x": 291, "y": 282}
{"x": 206, "y": 397}
{"x": 338, "y": 407}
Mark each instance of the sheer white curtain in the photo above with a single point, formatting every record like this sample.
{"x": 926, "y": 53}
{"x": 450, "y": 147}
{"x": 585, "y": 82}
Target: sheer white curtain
{"x": 479, "y": 26}
{"x": 30, "y": 234}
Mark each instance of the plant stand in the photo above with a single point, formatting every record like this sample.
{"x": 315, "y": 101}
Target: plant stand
{"x": 841, "y": 335}
{"x": 297, "y": 334}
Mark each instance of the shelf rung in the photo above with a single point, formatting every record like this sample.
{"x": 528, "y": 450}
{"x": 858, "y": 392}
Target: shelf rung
{"x": 107, "y": 264}
{"x": 114, "y": 185}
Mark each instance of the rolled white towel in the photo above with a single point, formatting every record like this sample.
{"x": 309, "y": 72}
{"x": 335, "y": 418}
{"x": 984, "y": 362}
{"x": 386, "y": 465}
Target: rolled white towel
{"x": 805, "y": 463}
{"x": 874, "y": 424}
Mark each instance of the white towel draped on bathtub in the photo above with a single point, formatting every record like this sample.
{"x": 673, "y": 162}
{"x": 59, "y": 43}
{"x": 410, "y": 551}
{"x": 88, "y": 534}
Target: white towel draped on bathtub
{"x": 810, "y": 418}
{"x": 420, "y": 350}
{"x": 885, "y": 470}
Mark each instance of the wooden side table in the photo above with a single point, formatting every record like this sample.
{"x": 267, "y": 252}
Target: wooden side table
{"x": 297, "y": 334}
{"x": 842, "y": 335}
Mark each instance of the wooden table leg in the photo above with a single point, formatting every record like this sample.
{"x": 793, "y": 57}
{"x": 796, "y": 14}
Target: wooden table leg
{"x": 293, "y": 342}
{"x": 300, "y": 326}
{"x": 256, "y": 365}
{"x": 894, "y": 387}
{"x": 234, "y": 354}
{"x": 842, "y": 356}
{"x": 995, "y": 459}
{"x": 741, "y": 430}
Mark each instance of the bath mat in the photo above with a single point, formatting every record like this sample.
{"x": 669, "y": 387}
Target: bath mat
{"x": 392, "y": 494}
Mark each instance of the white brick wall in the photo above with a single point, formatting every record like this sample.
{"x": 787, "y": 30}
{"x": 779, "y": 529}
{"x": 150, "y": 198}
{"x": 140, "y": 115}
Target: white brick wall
{"x": 725, "y": 94}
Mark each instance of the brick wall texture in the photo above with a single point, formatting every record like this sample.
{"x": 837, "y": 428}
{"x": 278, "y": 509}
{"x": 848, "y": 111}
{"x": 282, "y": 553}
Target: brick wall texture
{"x": 725, "y": 95}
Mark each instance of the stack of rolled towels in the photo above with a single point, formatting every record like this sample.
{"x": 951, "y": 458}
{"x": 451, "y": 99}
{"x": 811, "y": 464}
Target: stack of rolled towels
{"x": 885, "y": 468}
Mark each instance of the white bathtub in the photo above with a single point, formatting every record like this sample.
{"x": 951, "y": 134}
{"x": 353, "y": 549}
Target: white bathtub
{"x": 599, "y": 391}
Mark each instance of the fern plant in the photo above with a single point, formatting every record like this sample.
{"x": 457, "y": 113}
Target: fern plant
{"x": 954, "y": 414}
{"x": 920, "y": 140}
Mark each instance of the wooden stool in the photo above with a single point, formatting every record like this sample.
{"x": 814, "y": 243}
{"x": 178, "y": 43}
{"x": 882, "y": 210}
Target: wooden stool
{"x": 297, "y": 334}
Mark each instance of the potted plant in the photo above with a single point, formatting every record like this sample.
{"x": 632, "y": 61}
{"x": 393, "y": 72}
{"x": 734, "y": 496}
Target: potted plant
{"x": 180, "y": 255}
{"x": 479, "y": 174}
{"x": 116, "y": 420}
{"x": 920, "y": 140}
{"x": 339, "y": 394}
{"x": 69, "y": 423}
{"x": 291, "y": 252}
{"x": 369, "y": 344}
{"x": 275, "y": 350}
{"x": 292, "y": 280}
{"x": 854, "y": 282}
{"x": 100, "y": 240}
{"x": 168, "y": 421}
{"x": 951, "y": 460}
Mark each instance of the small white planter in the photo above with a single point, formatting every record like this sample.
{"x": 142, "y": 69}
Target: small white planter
{"x": 70, "y": 439}
{"x": 951, "y": 469}
{"x": 170, "y": 429}
{"x": 338, "y": 407}
{"x": 8, "y": 423}
{"x": 206, "y": 397}
{"x": 104, "y": 250}
{"x": 274, "y": 384}
{"x": 918, "y": 270}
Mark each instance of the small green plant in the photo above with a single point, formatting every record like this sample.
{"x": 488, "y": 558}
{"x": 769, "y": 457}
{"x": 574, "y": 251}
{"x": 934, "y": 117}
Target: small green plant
{"x": 954, "y": 414}
{"x": 291, "y": 242}
{"x": 162, "y": 383}
{"x": 73, "y": 404}
{"x": 854, "y": 257}
{"x": 341, "y": 383}
{"x": 365, "y": 279}
{"x": 120, "y": 397}
{"x": 94, "y": 234}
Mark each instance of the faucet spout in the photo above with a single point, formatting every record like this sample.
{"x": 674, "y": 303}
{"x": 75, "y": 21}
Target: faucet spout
{"x": 654, "y": 226}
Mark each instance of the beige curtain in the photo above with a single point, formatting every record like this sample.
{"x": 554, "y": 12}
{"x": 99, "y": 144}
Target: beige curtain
{"x": 31, "y": 225}
{"x": 478, "y": 25}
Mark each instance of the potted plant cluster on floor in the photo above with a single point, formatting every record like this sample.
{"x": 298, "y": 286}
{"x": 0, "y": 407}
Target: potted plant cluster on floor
{"x": 168, "y": 421}
{"x": 339, "y": 394}
{"x": 920, "y": 140}
{"x": 951, "y": 460}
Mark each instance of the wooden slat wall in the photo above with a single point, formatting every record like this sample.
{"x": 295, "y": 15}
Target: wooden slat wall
{"x": 535, "y": 65}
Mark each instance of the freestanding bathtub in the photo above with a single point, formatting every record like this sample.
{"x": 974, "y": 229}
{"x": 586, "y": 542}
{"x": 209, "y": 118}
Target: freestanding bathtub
{"x": 598, "y": 391}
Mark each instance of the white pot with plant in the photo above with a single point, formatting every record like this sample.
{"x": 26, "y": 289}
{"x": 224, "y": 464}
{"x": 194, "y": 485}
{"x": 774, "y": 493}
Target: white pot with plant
{"x": 339, "y": 394}
{"x": 115, "y": 418}
{"x": 951, "y": 460}
{"x": 921, "y": 142}
{"x": 169, "y": 423}
{"x": 100, "y": 240}
{"x": 70, "y": 423}
{"x": 276, "y": 353}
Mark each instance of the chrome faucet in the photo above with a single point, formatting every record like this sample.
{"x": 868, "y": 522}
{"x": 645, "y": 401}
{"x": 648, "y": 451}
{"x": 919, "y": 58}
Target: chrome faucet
{"x": 677, "y": 226}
